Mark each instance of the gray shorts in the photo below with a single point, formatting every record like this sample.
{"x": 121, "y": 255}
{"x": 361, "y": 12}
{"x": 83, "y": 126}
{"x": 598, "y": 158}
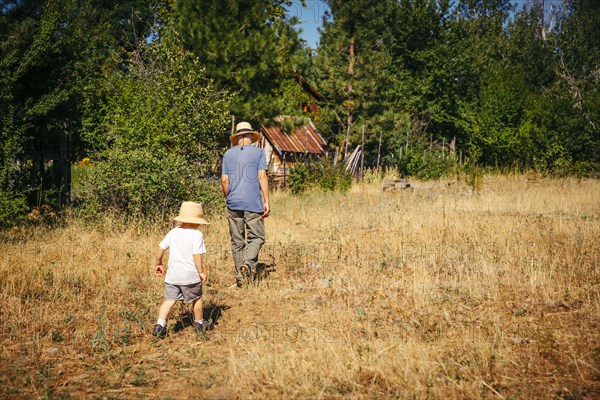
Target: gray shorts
{"x": 187, "y": 293}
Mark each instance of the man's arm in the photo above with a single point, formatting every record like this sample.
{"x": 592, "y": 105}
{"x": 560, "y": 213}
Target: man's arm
{"x": 263, "y": 180}
{"x": 225, "y": 184}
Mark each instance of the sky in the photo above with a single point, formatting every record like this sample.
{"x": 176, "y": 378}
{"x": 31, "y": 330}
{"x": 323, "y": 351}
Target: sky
{"x": 310, "y": 17}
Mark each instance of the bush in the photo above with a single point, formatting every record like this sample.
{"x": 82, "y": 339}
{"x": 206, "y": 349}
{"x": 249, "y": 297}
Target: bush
{"x": 424, "y": 163}
{"x": 322, "y": 175}
{"x": 299, "y": 179}
{"x": 163, "y": 101}
{"x": 12, "y": 209}
{"x": 142, "y": 183}
{"x": 153, "y": 126}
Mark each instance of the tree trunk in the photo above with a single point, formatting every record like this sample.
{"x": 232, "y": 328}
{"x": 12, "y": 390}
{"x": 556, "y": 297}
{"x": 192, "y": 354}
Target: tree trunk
{"x": 350, "y": 91}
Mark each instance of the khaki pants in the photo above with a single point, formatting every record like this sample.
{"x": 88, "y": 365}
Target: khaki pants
{"x": 247, "y": 231}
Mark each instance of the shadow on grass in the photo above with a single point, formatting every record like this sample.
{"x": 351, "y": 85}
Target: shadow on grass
{"x": 262, "y": 272}
{"x": 211, "y": 312}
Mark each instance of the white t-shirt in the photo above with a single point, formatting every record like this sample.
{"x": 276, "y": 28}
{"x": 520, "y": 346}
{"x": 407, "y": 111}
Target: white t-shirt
{"x": 183, "y": 244}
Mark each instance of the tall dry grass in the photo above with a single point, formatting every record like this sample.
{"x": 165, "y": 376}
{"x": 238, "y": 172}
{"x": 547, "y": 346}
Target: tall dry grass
{"x": 437, "y": 292}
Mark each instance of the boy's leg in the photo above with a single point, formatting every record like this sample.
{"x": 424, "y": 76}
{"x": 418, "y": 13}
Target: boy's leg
{"x": 198, "y": 309}
{"x": 200, "y": 324}
{"x": 163, "y": 312}
{"x": 160, "y": 329}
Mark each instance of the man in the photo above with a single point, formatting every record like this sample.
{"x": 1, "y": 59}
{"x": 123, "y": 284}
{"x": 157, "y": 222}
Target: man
{"x": 244, "y": 180}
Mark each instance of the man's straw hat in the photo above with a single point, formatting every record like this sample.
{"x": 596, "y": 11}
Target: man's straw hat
{"x": 241, "y": 129}
{"x": 191, "y": 213}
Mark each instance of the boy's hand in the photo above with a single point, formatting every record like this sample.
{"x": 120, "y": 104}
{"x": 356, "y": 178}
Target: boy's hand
{"x": 203, "y": 276}
{"x": 159, "y": 271}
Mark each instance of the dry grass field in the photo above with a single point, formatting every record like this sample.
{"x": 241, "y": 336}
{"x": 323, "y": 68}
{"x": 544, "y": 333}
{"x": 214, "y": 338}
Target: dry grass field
{"x": 427, "y": 293}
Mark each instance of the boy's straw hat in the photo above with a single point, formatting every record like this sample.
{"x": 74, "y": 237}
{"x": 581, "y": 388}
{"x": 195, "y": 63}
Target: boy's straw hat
{"x": 191, "y": 213}
{"x": 241, "y": 129}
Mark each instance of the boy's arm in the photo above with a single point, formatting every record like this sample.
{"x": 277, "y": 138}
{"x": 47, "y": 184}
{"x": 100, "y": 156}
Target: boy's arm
{"x": 263, "y": 180}
{"x": 200, "y": 267}
{"x": 159, "y": 257}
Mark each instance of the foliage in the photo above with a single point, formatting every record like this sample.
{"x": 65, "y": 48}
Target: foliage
{"x": 143, "y": 182}
{"x": 163, "y": 100}
{"x": 512, "y": 91}
{"x": 156, "y": 135}
{"x": 351, "y": 67}
{"x": 425, "y": 163}
{"x": 321, "y": 175}
{"x": 51, "y": 55}
{"x": 299, "y": 179}
{"x": 12, "y": 208}
{"x": 248, "y": 47}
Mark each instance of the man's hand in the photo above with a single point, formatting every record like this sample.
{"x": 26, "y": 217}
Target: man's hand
{"x": 159, "y": 271}
{"x": 263, "y": 181}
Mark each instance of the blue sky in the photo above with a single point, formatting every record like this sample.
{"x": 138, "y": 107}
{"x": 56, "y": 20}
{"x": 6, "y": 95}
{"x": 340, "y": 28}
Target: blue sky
{"x": 310, "y": 18}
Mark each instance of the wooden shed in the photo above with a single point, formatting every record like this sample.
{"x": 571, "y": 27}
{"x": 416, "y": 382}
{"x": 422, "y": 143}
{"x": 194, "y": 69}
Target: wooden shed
{"x": 284, "y": 150}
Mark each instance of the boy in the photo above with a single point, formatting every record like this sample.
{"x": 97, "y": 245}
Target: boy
{"x": 185, "y": 272}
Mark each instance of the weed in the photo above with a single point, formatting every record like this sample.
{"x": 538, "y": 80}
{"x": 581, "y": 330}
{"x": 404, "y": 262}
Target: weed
{"x": 414, "y": 294}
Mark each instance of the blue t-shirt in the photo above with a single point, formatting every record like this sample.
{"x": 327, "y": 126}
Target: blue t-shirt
{"x": 241, "y": 164}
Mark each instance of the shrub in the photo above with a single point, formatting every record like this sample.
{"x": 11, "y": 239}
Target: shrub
{"x": 12, "y": 209}
{"x": 153, "y": 127}
{"x": 299, "y": 179}
{"x": 424, "y": 163}
{"x": 322, "y": 175}
{"x": 163, "y": 101}
{"x": 143, "y": 183}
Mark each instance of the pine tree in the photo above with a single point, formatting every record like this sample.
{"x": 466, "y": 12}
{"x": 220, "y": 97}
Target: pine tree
{"x": 247, "y": 47}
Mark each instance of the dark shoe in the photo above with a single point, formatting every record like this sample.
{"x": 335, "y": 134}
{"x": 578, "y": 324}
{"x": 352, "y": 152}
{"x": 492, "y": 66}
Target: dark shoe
{"x": 159, "y": 331}
{"x": 246, "y": 271}
{"x": 205, "y": 325}
{"x": 200, "y": 329}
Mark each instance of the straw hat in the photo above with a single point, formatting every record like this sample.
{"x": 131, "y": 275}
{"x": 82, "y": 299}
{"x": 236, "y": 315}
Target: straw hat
{"x": 191, "y": 213}
{"x": 244, "y": 128}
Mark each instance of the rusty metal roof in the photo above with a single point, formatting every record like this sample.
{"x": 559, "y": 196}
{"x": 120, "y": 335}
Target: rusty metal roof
{"x": 304, "y": 139}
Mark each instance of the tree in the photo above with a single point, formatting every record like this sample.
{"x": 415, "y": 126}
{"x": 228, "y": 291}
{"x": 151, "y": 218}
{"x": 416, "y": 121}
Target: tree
{"x": 579, "y": 71}
{"x": 156, "y": 135}
{"x": 352, "y": 65}
{"x": 52, "y": 52}
{"x": 389, "y": 68}
{"x": 248, "y": 47}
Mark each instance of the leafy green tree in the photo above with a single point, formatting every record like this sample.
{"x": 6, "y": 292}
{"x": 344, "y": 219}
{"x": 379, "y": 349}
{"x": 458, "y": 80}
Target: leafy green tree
{"x": 156, "y": 136}
{"x": 494, "y": 127}
{"x": 248, "y": 47}
{"x": 579, "y": 84}
{"x": 352, "y": 67}
{"x": 52, "y": 52}
{"x": 162, "y": 100}
{"x": 385, "y": 65}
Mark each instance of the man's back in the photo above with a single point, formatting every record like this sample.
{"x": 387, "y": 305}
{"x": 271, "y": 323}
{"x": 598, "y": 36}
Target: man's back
{"x": 241, "y": 164}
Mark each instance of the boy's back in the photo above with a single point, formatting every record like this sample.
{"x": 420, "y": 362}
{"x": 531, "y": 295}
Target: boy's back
{"x": 183, "y": 244}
